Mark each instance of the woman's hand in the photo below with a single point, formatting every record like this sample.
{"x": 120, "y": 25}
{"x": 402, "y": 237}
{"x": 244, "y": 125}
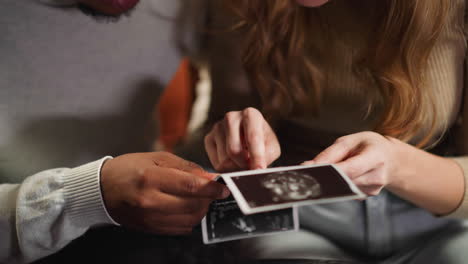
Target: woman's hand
{"x": 242, "y": 140}
{"x": 368, "y": 158}
{"x": 373, "y": 162}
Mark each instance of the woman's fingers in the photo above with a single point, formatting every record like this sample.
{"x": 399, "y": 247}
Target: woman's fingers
{"x": 337, "y": 152}
{"x": 361, "y": 157}
{"x": 361, "y": 163}
{"x": 372, "y": 182}
{"x": 233, "y": 133}
{"x": 211, "y": 150}
{"x": 254, "y": 136}
{"x": 165, "y": 203}
{"x": 215, "y": 145}
{"x": 272, "y": 146}
{"x": 220, "y": 141}
{"x": 242, "y": 140}
{"x": 345, "y": 147}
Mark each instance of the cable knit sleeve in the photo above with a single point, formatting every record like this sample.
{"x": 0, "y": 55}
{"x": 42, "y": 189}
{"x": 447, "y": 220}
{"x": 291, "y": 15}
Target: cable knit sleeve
{"x": 48, "y": 210}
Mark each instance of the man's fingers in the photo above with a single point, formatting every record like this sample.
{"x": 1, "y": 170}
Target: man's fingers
{"x": 160, "y": 202}
{"x": 254, "y": 137}
{"x": 185, "y": 184}
{"x": 207, "y": 175}
{"x": 169, "y": 160}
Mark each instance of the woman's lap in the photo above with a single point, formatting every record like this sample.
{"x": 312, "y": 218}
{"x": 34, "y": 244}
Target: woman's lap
{"x": 445, "y": 247}
{"x": 448, "y": 246}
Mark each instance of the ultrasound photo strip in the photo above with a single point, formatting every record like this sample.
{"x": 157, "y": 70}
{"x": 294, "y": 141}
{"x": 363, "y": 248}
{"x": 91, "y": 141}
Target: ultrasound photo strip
{"x": 225, "y": 222}
{"x": 278, "y": 188}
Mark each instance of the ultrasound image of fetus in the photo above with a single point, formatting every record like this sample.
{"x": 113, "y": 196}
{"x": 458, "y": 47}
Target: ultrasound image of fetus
{"x": 291, "y": 185}
{"x": 244, "y": 224}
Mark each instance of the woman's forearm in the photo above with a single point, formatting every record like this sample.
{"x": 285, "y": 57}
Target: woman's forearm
{"x": 429, "y": 181}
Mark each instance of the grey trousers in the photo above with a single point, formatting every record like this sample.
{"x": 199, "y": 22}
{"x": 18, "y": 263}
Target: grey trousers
{"x": 383, "y": 229}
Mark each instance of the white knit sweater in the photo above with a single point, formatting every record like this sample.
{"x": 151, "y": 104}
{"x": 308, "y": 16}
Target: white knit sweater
{"x": 48, "y": 210}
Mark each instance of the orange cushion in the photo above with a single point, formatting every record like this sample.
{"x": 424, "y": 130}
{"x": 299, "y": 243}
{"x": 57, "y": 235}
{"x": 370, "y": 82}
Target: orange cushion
{"x": 175, "y": 106}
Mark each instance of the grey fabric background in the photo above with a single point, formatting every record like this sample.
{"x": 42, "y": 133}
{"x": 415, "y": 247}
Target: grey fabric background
{"x": 74, "y": 88}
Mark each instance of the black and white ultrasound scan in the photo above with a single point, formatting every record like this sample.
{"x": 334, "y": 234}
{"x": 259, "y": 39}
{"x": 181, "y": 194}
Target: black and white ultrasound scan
{"x": 225, "y": 222}
{"x": 279, "y": 188}
{"x": 264, "y": 202}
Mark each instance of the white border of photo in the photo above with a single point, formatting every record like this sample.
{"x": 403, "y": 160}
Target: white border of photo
{"x": 246, "y": 209}
{"x": 206, "y": 240}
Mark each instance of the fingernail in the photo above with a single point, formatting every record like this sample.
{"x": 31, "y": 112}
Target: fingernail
{"x": 211, "y": 176}
{"x": 259, "y": 166}
{"x": 308, "y": 162}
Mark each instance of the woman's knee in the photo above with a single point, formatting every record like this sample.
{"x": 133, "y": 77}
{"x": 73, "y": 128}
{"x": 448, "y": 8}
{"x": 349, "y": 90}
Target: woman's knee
{"x": 449, "y": 247}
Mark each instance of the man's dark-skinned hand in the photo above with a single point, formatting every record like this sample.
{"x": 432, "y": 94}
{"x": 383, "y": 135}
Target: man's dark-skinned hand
{"x": 158, "y": 192}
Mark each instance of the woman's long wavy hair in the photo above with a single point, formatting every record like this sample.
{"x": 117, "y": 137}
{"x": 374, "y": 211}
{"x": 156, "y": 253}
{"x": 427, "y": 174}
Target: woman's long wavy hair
{"x": 276, "y": 59}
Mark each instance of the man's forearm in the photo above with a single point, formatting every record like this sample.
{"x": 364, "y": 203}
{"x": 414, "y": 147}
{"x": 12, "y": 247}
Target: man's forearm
{"x": 48, "y": 210}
